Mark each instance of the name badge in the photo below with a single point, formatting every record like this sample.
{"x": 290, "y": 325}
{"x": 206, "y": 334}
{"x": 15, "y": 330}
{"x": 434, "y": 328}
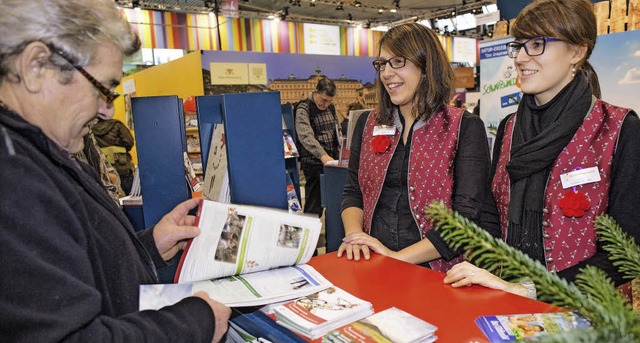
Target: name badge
{"x": 580, "y": 177}
{"x": 384, "y": 130}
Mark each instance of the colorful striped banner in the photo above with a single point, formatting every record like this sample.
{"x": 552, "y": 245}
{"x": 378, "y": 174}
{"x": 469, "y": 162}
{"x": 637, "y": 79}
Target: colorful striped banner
{"x": 199, "y": 32}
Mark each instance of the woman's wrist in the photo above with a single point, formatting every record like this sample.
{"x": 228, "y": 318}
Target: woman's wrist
{"x": 524, "y": 288}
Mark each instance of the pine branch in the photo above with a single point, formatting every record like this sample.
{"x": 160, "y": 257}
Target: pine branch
{"x": 612, "y": 311}
{"x": 593, "y": 295}
{"x": 622, "y": 249}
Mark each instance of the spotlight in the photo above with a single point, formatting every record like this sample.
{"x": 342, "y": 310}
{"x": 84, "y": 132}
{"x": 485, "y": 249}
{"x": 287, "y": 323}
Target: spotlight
{"x": 357, "y": 3}
{"x": 380, "y": 10}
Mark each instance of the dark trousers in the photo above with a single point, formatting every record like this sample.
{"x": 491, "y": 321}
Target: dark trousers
{"x": 312, "y": 189}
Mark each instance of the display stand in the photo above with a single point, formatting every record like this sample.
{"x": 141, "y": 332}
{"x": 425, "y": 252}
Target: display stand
{"x": 291, "y": 164}
{"x": 331, "y": 187}
{"x": 160, "y": 140}
{"x": 253, "y": 133}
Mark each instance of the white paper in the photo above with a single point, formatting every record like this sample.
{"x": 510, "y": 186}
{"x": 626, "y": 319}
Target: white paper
{"x": 580, "y": 177}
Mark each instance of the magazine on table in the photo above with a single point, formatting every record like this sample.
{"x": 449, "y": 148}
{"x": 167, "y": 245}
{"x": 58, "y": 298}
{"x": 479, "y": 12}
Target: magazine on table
{"x": 316, "y": 314}
{"x": 245, "y": 256}
{"x": 253, "y": 289}
{"x": 258, "y": 327}
{"x": 392, "y": 325}
{"x": 519, "y": 327}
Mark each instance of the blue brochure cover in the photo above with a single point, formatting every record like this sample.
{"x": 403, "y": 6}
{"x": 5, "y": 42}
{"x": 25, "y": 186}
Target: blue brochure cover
{"x": 518, "y": 327}
{"x": 260, "y": 325}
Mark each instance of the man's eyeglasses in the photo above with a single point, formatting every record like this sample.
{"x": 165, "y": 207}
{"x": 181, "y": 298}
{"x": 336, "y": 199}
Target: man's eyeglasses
{"x": 394, "y": 62}
{"x": 533, "y": 47}
{"x": 109, "y": 95}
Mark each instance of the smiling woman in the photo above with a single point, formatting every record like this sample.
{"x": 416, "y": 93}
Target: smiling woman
{"x": 71, "y": 263}
{"x": 410, "y": 151}
{"x": 561, "y": 131}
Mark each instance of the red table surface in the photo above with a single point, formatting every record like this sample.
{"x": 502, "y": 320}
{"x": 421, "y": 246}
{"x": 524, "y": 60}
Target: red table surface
{"x": 386, "y": 282}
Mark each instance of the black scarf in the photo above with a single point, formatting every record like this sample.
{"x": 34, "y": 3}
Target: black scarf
{"x": 540, "y": 134}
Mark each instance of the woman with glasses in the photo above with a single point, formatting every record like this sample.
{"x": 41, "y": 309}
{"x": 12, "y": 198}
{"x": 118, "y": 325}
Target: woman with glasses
{"x": 70, "y": 261}
{"x": 564, "y": 157}
{"x": 412, "y": 150}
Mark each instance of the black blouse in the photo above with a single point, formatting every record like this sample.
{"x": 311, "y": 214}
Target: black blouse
{"x": 393, "y": 224}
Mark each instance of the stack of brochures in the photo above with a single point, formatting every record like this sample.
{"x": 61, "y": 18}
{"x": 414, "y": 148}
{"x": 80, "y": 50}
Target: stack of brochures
{"x": 518, "y": 327}
{"x": 392, "y": 325}
{"x": 244, "y": 256}
{"x": 316, "y": 314}
{"x": 256, "y": 327}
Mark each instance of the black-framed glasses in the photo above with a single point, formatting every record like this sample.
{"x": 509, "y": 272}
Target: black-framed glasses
{"x": 533, "y": 47}
{"x": 394, "y": 62}
{"x": 109, "y": 95}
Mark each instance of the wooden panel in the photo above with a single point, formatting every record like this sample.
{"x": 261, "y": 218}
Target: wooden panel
{"x": 633, "y": 18}
{"x": 618, "y": 17}
{"x": 602, "y": 16}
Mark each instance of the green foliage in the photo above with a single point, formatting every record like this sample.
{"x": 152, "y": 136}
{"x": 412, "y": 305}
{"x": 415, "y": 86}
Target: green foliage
{"x": 593, "y": 294}
{"x": 623, "y": 250}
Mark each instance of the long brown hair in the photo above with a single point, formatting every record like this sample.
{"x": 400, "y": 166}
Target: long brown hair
{"x": 420, "y": 45}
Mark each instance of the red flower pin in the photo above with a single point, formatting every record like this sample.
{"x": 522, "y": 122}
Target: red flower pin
{"x": 574, "y": 204}
{"x": 380, "y": 144}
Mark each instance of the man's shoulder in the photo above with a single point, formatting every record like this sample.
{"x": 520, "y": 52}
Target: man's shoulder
{"x": 302, "y": 104}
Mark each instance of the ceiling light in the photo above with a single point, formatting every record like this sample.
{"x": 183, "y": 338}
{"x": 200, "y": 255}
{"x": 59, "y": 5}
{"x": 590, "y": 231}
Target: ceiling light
{"x": 357, "y": 3}
{"x": 380, "y": 10}
{"x": 393, "y": 10}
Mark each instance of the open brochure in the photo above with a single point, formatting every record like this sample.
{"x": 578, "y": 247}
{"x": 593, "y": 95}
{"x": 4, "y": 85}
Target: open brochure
{"x": 238, "y": 239}
{"x": 252, "y": 289}
{"x": 318, "y": 313}
{"x": 519, "y": 327}
{"x": 392, "y": 325}
{"x": 243, "y": 257}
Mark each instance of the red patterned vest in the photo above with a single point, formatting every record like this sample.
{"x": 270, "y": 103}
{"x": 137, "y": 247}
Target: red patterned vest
{"x": 569, "y": 240}
{"x": 433, "y": 149}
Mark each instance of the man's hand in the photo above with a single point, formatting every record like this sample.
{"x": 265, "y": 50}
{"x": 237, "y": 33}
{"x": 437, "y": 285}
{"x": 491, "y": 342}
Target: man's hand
{"x": 221, "y": 314}
{"x": 326, "y": 158}
{"x": 174, "y": 229}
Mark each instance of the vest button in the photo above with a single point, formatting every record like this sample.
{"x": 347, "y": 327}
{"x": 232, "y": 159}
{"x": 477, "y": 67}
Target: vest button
{"x": 411, "y": 188}
{"x": 418, "y": 216}
{"x": 548, "y": 249}
{"x": 422, "y": 227}
{"x": 412, "y": 198}
{"x": 550, "y": 260}
{"x": 545, "y": 223}
{"x": 546, "y": 236}
{"x": 545, "y": 211}
{"x": 415, "y": 208}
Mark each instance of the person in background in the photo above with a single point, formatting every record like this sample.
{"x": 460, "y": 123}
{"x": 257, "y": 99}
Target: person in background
{"x": 344, "y": 125}
{"x": 115, "y": 140}
{"x": 95, "y": 158}
{"x": 560, "y": 129}
{"x": 316, "y": 127}
{"x": 71, "y": 263}
{"x": 412, "y": 150}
